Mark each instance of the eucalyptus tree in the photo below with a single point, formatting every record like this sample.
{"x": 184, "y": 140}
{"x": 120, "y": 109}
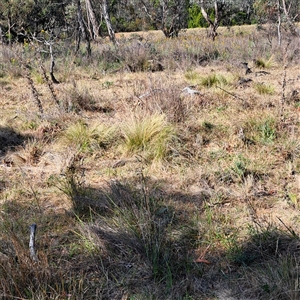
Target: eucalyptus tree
{"x": 92, "y": 21}
{"x": 83, "y": 31}
{"x": 19, "y": 18}
{"x": 279, "y": 13}
{"x": 106, "y": 16}
{"x": 267, "y": 10}
{"x": 170, "y": 16}
{"x": 221, "y": 8}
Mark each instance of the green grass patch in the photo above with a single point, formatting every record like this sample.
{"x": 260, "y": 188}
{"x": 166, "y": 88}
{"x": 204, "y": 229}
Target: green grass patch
{"x": 192, "y": 76}
{"x": 261, "y": 130}
{"x": 264, "y": 89}
{"x": 87, "y": 138}
{"x": 213, "y": 80}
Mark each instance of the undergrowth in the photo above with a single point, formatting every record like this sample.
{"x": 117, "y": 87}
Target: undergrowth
{"x": 141, "y": 190}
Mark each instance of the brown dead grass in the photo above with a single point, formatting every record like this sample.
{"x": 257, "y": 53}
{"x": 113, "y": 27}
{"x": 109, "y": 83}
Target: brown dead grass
{"x": 225, "y": 198}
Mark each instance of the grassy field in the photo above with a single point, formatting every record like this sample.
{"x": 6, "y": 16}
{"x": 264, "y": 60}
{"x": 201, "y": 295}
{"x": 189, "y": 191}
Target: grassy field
{"x": 141, "y": 190}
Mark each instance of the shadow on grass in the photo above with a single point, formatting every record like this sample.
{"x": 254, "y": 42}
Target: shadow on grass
{"x": 133, "y": 241}
{"x": 10, "y": 139}
{"x": 150, "y": 243}
{"x": 265, "y": 266}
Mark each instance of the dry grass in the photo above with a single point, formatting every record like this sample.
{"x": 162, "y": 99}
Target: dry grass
{"x": 142, "y": 191}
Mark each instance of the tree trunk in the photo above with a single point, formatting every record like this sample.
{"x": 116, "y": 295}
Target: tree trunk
{"x": 9, "y": 30}
{"x": 213, "y": 25}
{"x": 83, "y": 28}
{"x": 92, "y": 19}
{"x": 111, "y": 32}
{"x": 279, "y": 23}
{"x": 1, "y": 36}
{"x": 213, "y": 31}
{"x": 290, "y": 22}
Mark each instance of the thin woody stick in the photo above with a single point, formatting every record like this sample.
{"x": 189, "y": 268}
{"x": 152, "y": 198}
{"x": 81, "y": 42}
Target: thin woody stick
{"x": 32, "y": 242}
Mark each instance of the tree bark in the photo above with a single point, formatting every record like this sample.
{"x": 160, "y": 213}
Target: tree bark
{"x": 9, "y": 29}
{"x": 279, "y": 23}
{"x": 213, "y": 25}
{"x": 290, "y": 22}
{"x": 83, "y": 28}
{"x": 111, "y": 32}
{"x": 92, "y": 19}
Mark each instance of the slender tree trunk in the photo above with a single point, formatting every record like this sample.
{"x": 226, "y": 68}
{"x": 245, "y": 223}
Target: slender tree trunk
{"x": 279, "y": 23}
{"x": 213, "y": 25}
{"x": 290, "y": 22}
{"x": 1, "y": 36}
{"x": 83, "y": 28}
{"x": 54, "y": 80}
{"x": 9, "y": 30}
{"x": 92, "y": 19}
{"x": 111, "y": 32}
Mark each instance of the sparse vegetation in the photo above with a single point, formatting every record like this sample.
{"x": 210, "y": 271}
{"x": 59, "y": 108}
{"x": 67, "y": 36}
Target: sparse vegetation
{"x": 264, "y": 89}
{"x": 141, "y": 190}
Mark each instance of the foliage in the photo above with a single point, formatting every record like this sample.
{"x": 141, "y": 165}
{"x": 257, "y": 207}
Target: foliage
{"x": 32, "y": 17}
{"x": 195, "y": 17}
{"x": 19, "y": 22}
{"x": 267, "y": 11}
{"x": 170, "y": 16}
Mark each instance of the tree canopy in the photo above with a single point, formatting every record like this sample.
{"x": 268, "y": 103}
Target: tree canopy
{"x": 20, "y": 19}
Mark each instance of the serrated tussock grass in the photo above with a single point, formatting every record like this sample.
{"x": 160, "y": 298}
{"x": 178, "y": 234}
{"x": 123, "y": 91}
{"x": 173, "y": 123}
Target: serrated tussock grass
{"x": 214, "y": 79}
{"x": 265, "y": 63}
{"x": 149, "y": 135}
{"x": 89, "y": 138}
{"x": 264, "y": 89}
{"x": 262, "y": 129}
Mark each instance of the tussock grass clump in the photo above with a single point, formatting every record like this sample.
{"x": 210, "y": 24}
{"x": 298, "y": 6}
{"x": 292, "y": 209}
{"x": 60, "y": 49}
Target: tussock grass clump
{"x": 192, "y": 76}
{"x": 78, "y": 99}
{"x": 150, "y": 135}
{"x": 87, "y": 138}
{"x": 261, "y": 130}
{"x": 264, "y": 89}
{"x": 213, "y": 80}
{"x": 265, "y": 63}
